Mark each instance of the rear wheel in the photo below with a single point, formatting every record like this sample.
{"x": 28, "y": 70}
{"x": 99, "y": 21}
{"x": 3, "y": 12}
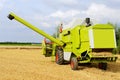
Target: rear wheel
{"x": 74, "y": 63}
{"x": 59, "y": 57}
{"x": 102, "y": 66}
{"x": 48, "y": 53}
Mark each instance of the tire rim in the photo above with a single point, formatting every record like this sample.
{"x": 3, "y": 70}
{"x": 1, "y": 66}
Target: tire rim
{"x": 72, "y": 64}
{"x": 56, "y": 58}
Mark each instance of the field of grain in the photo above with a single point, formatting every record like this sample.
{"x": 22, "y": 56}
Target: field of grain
{"x": 30, "y": 64}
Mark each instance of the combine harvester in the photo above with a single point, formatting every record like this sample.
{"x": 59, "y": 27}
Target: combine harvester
{"x": 80, "y": 44}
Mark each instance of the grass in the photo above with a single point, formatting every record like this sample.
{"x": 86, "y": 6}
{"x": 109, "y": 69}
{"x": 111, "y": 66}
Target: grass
{"x": 19, "y": 44}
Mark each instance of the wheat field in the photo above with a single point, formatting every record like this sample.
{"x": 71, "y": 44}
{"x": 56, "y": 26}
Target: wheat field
{"x": 30, "y": 64}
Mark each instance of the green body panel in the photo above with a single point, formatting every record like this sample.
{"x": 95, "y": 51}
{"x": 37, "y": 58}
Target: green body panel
{"x": 107, "y": 40}
{"x": 77, "y": 41}
{"x": 84, "y": 40}
{"x": 102, "y": 26}
{"x": 104, "y": 37}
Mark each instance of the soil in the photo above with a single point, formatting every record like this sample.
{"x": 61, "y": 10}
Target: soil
{"x": 30, "y": 64}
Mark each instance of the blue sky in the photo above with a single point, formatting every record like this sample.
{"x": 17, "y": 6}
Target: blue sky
{"x": 47, "y": 14}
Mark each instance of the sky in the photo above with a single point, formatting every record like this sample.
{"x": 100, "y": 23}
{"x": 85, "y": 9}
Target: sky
{"x": 48, "y": 14}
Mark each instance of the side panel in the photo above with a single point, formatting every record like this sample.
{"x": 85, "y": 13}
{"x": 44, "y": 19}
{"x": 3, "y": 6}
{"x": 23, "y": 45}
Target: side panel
{"x": 104, "y": 38}
{"x": 76, "y": 40}
{"x": 76, "y": 37}
{"x": 80, "y": 40}
{"x": 66, "y": 38}
{"x": 115, "y": 39}
{"x": 67, "y": 56}
{"x": 84, "y": 34}
{"x": 91, "y": 38}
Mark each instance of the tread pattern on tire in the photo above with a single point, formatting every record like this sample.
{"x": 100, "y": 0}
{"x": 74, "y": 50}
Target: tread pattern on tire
{"x": 75, "y": 63}
{"x": 60, "y": 56}
{"x": 103, "y": 66}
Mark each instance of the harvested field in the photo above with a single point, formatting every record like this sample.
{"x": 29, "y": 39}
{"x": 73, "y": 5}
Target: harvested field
{"x": 30, "y": 64}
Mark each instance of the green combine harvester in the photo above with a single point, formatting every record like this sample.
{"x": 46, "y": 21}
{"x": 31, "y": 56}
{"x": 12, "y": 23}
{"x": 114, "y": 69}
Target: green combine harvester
{"x": 78, "y": 45}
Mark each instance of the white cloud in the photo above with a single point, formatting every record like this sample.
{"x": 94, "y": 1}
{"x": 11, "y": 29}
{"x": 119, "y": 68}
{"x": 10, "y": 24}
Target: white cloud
{"x": 24, "y": 0}
{"x": 61, "y": 2}
{"x": 116, "y": 0}
{"x": 101, "y": 12}
{"x": 65, "y": 14}
{"x": 2, "y": 2}
{"x": 45, "y": 24}
{"x": 69, "y": 2}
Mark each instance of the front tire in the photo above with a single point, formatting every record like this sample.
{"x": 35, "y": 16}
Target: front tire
{"x": 74, "y": 63}
{"x": 59, "y": 57}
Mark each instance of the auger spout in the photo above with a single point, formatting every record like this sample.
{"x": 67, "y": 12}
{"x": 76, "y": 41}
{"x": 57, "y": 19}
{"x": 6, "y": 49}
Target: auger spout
{"x": 12, "y": 16}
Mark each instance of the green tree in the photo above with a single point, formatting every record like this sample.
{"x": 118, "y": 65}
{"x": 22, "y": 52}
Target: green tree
{"x": 117, "y": 32}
